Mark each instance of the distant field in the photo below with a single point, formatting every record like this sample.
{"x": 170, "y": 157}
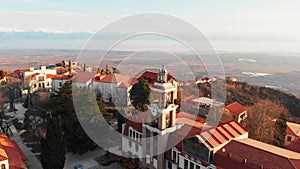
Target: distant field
{"x": 283, "y": 69}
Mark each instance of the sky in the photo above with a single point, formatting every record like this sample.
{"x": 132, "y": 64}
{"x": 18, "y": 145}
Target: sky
{"x": 231, "y": 25}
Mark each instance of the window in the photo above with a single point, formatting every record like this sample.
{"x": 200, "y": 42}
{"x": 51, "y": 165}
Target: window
{"x": 174, "y": 155}
{"x": 169, "y": 165}
{"x": 60, "y": 83}
{"x": 197, "y": 166}
{"x": 136, "y": 147}
{"x": 233, "y": 117}
{"x": 192, "y": 165}
{"x": 289, "y": 138}
{"x": 186, "y": 164}
{"x": 130, "y": 133}
{"x": 3, "y": 166}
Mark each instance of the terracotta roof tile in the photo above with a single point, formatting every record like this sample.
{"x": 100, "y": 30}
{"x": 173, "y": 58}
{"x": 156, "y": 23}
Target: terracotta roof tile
{"x": 257, "y": 154}
{"x": 50, "y": 76}
{"x": 294, "y": 146}
{"x": 112, "y": 78}
{"x": 236, "y": 108}
{"x": 83, "y": 77}
{"x": 293, "y": 128}
{"x": 14, "y": 158}
{"x": 223, "y": 133}
{"x": 3, "y": 155}
{"x": 18, "y": 149}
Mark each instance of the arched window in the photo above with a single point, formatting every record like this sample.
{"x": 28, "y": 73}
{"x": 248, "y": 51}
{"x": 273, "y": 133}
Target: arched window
{"x": 3, "y": 166}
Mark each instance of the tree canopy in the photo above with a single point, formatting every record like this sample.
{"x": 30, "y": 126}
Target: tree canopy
{"x": 53, "y": 149}
{"x": 139, "y": 95}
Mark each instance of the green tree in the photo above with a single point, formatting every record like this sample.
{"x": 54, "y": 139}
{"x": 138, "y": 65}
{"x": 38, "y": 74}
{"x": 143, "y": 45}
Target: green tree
{"x": 63, "y": 107}
{"x": 280, "y": 131}
{"x": 139, "y": 95}
{"x": 53, "y": 149}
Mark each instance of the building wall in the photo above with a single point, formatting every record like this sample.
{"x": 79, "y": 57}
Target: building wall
{"x": 56, "y": 84}
{"x": 131, "y": 146}
{"x": 81, "y": 85}
{"x": 5, "y": 162}
{"x": 193, "y": 162}
{"x": 110, "y": 92}
{"x": 40, "y": 82}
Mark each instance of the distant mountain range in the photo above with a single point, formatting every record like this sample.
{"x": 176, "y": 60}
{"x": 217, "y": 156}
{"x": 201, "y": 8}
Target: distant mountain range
{"x": 14, "y": 34}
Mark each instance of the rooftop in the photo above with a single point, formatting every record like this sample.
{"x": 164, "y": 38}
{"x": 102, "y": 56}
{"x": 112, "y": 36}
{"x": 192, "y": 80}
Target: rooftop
{"x": 294, "y": 146}
{"x": 255, "y": 154}
{"x": 15, "y": 156}
{"x": 293, "y": 128}
{"x": 236, "y": 108}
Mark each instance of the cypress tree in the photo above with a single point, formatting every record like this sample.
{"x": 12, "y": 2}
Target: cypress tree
{"x": 53, "y": 149}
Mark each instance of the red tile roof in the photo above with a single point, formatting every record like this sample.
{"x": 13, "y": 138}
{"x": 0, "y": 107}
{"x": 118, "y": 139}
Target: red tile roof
{"x": 18, "y": 149}
{"x": 190, "y": 116}
{"x": 223, "y": 133}
{"x": 3, "y": 155}
{"x": 128, "y": 83}
{"x": 62, "y": 77}
{"x": 51, "y": 76}
{"x": 83, "y": 77}
{"x": 294, "y": 146}
{"x": 14, "y": 158}
{"x": 256, "y": 154}
{"x": 151, "y": 76}
{"x": 293, "y": 129}
{"x": 113, "y": 78}
{"x": 236, "y": 108}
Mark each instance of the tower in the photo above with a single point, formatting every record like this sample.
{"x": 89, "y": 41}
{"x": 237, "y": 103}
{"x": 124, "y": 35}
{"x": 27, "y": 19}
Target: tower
{"x": 71, "y": 69}
{"x": 163, "y": 112}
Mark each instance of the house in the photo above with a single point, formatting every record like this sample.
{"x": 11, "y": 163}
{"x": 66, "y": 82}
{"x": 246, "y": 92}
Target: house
{"x": 39, "y": 81}
{"x": 292, "y": 133}
{"x": 35, "y": 78}
{"x": 114, "y": 88}
{"x": 251, "y": 154}
{"x": 11, "y": 156}
{"x": 59, "y": 80}
{"x": 237, "y": 111}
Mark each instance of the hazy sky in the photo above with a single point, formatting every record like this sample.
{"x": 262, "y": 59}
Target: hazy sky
{"x": 235, "y": 25}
